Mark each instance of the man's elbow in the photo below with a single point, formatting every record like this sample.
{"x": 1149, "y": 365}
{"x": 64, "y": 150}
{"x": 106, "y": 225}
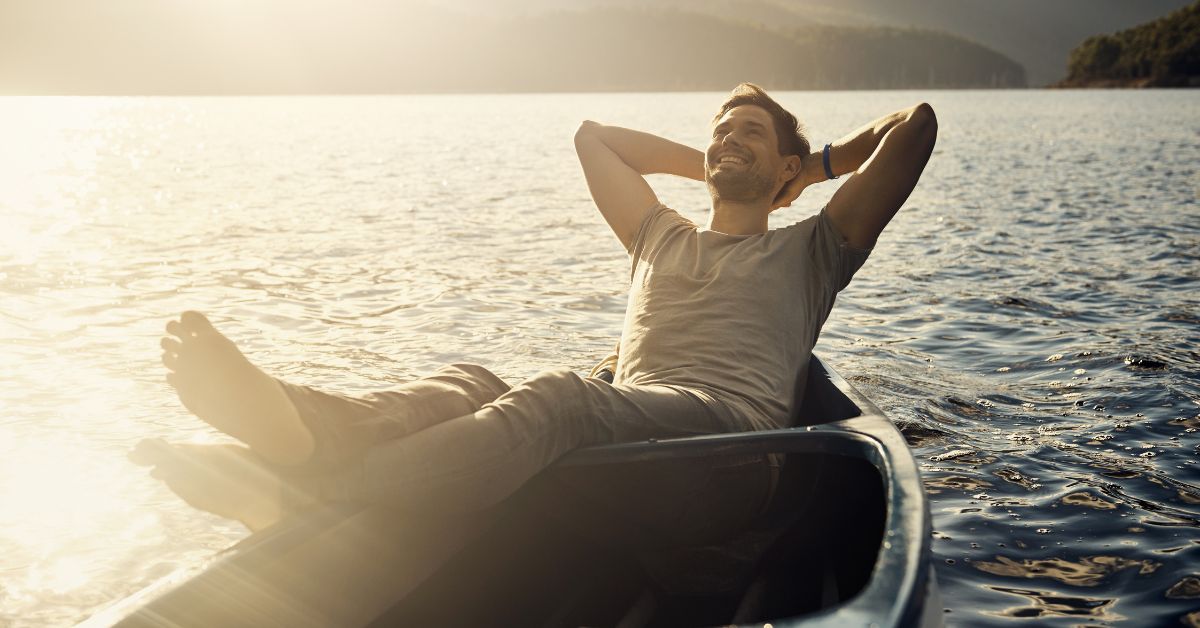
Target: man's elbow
{"x": 587, "y": 128}
{"x": 923, "y": 117}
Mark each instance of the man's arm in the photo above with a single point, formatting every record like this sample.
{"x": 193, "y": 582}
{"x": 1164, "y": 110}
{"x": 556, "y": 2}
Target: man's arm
{"x": 886, "y": 158}
{"x": 615, "y": 161}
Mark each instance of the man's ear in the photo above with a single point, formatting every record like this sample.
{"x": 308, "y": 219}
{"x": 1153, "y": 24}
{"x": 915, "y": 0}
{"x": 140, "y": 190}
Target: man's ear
{"x": 791, "y": 167}
{"x": 790, "y": 182}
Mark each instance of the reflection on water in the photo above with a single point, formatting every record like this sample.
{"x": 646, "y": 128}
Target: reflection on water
{"x": 1084, "y": 498}
{"x": 1088, "y": 571}
{"x": 1051, "y": 604}
{"x": 1186, "y": 589}
{"x": 933, "y": 486}
{"x": 1030, "y": 318}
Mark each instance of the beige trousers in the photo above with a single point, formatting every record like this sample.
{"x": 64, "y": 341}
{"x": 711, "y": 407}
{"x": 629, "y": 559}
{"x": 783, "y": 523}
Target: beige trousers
{"x": 461, "y": 439}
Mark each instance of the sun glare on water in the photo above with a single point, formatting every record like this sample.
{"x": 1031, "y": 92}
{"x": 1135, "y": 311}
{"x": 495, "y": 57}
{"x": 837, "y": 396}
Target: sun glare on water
{"x": 68, "y": 504}
{"x": 72, "y": 507}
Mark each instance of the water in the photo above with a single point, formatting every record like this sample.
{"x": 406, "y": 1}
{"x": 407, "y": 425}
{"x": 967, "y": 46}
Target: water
{"x": 1031, "y": 318}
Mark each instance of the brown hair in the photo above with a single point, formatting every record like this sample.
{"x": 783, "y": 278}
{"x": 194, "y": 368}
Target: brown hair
{"x": 788, "y": 129}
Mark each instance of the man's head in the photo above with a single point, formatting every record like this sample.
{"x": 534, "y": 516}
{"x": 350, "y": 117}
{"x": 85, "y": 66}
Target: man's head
{"x": 756, "y": 147}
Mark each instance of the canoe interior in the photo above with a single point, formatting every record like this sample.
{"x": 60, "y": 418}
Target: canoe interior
{"x": 536, "y": 568}
{"x": 570, "y": 550}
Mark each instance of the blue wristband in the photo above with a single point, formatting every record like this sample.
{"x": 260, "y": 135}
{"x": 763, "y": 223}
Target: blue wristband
{"x": 828, "y": 170}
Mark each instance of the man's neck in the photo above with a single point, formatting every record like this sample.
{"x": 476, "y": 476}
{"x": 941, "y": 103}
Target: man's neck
{"x": 738, "y": 218}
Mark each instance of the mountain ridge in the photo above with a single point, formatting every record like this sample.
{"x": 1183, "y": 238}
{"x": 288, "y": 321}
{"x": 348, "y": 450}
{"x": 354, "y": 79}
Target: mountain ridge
{"x": 1035, "y": 33}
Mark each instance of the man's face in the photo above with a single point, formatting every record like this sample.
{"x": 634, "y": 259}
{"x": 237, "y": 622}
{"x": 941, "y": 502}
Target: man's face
{"x": 742, "y": 162}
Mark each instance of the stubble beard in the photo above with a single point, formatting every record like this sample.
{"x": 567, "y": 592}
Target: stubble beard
{"x": 740, "y": 187}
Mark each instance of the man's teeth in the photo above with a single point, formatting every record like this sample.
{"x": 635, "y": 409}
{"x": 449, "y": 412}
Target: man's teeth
{"x": 729, "y": 159}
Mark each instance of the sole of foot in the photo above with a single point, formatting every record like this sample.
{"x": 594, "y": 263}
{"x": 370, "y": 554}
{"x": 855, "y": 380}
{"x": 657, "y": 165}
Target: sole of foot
{"x": 216, "y": 382}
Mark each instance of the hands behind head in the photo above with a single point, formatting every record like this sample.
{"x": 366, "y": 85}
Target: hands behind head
{"x": 810, "y": 172}
{"x": 790, "y": 191}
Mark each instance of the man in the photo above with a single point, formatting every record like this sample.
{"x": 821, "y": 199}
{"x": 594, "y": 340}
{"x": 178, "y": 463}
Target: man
{"x": 720, "y": 322}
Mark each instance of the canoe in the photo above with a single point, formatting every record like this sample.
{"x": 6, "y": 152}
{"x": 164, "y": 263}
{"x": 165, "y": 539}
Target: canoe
{"x": 844, "y": 541}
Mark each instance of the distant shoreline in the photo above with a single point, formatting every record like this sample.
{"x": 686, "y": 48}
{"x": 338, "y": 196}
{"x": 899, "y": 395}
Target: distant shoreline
{"x": 1062, "y": 85}
{"x": 1138, "y": 83}
{"x": 503, "y": 93}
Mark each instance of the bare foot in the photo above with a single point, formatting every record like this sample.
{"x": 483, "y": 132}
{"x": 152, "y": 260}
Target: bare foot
{"x": 218, "y": 384}
{"x": 227, "y": 480}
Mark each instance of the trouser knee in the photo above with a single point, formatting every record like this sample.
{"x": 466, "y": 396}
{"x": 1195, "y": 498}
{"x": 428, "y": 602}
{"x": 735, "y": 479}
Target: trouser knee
{"x": 562, "y": 384}
{"x": 553, "y": 396}
{"x": 478, "y": 383}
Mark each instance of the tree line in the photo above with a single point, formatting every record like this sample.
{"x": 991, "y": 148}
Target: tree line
{"x": 1162, "y": 53}
{"x": 660, "y": 50}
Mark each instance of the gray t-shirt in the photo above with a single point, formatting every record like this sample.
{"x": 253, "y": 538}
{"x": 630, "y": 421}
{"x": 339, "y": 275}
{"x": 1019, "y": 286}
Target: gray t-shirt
{"x": 733, "y": 317}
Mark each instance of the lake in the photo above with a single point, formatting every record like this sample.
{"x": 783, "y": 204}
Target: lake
{"x": 1031, "y": 318}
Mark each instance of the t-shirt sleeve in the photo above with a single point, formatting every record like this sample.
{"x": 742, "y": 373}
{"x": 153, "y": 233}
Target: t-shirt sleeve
{"x": 659, "y": 220}
{"x": 832, "y": 256}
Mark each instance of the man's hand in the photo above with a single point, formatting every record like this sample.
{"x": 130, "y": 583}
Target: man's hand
{"x": 809, "y": 174}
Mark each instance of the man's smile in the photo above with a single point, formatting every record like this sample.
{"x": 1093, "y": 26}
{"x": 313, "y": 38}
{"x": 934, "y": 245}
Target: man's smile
{"x": 727, "y": 159}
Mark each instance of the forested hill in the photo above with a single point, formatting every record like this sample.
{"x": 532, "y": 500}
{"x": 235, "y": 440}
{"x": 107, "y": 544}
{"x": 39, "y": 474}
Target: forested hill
{"x": 319, "y": 46}
{"x": 1038, "y": 34}
{"x": 615, "y": 49}
{"x": 1162, "y": 53}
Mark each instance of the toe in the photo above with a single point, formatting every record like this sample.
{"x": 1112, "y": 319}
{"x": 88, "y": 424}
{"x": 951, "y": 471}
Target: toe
{"x": 195, "y": 321}
{"x": 170, "y": 354}
{"x": 175, "y": 328}
{"x": 149, "y": 451}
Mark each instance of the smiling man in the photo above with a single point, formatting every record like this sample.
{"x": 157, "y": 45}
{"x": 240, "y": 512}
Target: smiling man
{"x": 721, "y": 320}
{"x": 731, "y": 311}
